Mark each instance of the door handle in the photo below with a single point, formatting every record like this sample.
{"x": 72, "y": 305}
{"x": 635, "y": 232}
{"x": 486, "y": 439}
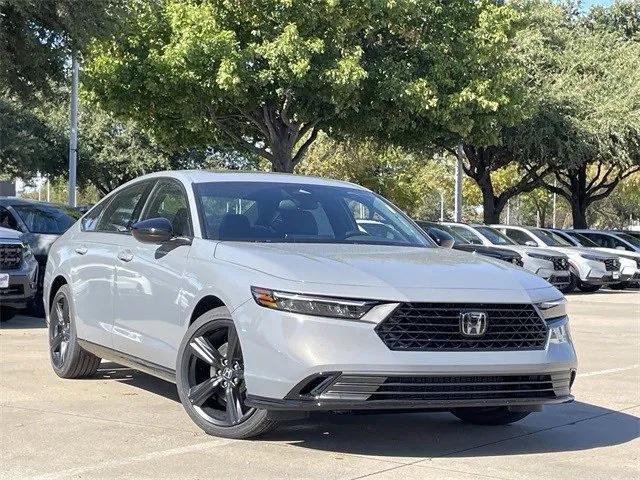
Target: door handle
{"x": 125, "y": 255}
{"x": 81, "y": 250}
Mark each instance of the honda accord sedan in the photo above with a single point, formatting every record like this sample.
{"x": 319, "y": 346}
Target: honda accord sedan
{"x": 265, "y": 297}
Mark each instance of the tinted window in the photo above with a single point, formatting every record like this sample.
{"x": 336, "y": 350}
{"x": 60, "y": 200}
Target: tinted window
{"x": 90, "y": 220}
{"x": 518, "y": 236}
{"x": 607, "y": 241}
{"x": 169, "y": 201}
{"x": 467, "y": 234}
{"x": 578, "y": 237}
{"x": 46, "y": 218}
{"x": 495, "y": 236}
{"x": 123, "y": 210}
{"x": 550, "y": 238}
{"x": 288, "y": 212}
{"x": 629, "y": 238}
{"x": 7, "y": 220}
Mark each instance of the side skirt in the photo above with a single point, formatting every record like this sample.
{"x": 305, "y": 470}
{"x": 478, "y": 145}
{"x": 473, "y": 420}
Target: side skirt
{"x": 129, "y": 360}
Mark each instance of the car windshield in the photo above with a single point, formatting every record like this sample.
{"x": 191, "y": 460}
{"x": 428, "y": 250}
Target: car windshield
{"x": 300, "y": 213}
{"x": 629, "y": 238}
{"x": 550, "y": 238}
{"x": 47, "y": 219}
{"x": 495, "y": 236}
{"x": 582, "y": 240}
{"x": 457, "y": 239}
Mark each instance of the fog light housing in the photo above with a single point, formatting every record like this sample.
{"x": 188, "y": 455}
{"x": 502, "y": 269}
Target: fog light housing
{"x": 559, "y": 332}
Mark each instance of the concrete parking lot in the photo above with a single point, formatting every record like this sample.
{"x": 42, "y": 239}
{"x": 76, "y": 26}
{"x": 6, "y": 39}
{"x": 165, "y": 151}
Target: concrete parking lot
{"x": 125, "y": 424}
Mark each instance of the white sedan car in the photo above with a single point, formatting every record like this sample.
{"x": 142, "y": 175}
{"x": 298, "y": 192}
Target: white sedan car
{"x": 261, "y": 297}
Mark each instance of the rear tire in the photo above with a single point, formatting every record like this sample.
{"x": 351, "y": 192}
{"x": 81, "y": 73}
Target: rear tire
{"x": 210, "y": 379}
{"x": 488, "y": 415}
{"x": 68, "y": 358}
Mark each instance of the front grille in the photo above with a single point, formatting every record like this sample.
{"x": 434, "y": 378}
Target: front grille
{"x": 437, "y": 327}
{"x": 11, "y": 290}
{"x": 440, "y": 388}
{"x": 612, "y": 264}
{"x": 10, "y": 256}
{"x": 560, "y": 263}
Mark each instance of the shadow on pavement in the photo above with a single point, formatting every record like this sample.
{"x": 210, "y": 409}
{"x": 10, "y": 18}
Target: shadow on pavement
{"x": 23, "y": 321}
{"x": 562, "y": 428}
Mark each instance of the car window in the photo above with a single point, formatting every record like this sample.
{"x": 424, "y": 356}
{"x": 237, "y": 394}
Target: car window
{"x": 467, "y": 234}
{"x": 518, "y": 236}
{"x": 630, "y": 239}
{"x": 7, "y": 220}
{"x": 495, "y": 236}
{"x": 301, "y": 213}
{"x": 607, "y": 241}
{"x": 123, "y": 210}
{"x": 581, "y": 239}
{"x": 550, "y": 238}
{"x": 90, "y": 220}
{"x": 46, "y": 219}
{"x": 169, "y": 201}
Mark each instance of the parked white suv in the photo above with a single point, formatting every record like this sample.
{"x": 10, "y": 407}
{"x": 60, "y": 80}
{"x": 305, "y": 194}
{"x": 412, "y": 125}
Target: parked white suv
{"x": 589, "y": 270}
{"x": 264, "y": 297}
{"x": 551, "y": 265}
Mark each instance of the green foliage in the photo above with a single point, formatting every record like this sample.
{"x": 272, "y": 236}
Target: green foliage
{"x": 37, "y": 37}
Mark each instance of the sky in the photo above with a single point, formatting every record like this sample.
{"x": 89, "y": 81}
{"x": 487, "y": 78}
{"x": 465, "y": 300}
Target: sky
{"x": 588, "y": 3}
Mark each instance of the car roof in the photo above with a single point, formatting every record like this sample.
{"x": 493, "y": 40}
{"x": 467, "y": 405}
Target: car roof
{"x": 11, "y": 201}
{"x": 202, "y": 176}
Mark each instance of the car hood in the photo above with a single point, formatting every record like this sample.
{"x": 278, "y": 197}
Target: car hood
{"x": 379, "y": 266}
{"x": 8, "y": 234}
{"x": 524, "y": 249}
{"x": 577, "y": 251}
{"x": 616, "y": 252}
{"x": 485, "y": 250}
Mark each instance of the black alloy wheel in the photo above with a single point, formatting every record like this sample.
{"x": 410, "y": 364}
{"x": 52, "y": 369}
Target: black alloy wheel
{"x": 59, "y": 331}
{"x": 215, "y": 375}
{"x": 211, "y": 382}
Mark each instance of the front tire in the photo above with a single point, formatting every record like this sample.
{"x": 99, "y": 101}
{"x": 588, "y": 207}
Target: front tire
{"x": 571, "y": 286}
{"x": 210, "y": 379}
{"x": 588, "y": 288}
{"x": 68, "y": 358}
{"x": 488, "y": 415}
{"x": 7, "y": 313}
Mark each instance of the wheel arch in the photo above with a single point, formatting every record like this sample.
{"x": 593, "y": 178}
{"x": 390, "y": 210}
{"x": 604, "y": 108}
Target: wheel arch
{"x": 206, "y": 303}
{"x": 59, "y": 281}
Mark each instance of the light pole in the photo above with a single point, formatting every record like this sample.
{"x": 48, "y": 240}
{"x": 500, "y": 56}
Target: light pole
{"x": 441, "y": 206}
{"x": 457, "y": 199}
{"x": 73, "y": 134}
{"x": 555, "y": 184}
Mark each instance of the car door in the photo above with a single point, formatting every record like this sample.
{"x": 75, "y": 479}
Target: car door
{"x": 148, "y": 313}
{"x": 92, "y": 268}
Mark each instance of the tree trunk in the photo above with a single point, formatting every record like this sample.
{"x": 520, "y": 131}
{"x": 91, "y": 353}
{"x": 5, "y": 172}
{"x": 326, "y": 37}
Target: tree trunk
{"x": 491, "y": 209}
{"x": 578, "y": 199}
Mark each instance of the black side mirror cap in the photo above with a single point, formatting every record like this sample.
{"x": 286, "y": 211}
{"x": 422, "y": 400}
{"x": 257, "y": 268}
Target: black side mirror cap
{"x": 152, "y": 230}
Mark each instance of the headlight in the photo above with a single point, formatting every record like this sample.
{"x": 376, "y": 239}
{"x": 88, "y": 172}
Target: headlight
{"x": 26, "y": 249}
{"x": 559, "y": 332}
{"x": 595, "y": 258}
{"x": 311, "y": 304}
{"x": 553, "y": 309}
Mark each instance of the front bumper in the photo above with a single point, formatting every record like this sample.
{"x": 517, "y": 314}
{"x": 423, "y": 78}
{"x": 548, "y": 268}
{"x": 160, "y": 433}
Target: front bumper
{"x": 282, "y": 351}
{"x": 22, "y": 286}
{"x": 594, "y": 273}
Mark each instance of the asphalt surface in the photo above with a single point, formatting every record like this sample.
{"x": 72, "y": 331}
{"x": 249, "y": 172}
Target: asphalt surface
{"x": 125, "y": 424}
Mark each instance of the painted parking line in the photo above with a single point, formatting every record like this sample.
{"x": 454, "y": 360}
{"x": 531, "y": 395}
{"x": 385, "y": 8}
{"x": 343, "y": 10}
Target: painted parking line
{"x": 610, "y": 370}
{"x": 74, "y": 472}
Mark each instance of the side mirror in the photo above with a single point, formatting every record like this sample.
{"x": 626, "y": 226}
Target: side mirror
{"x": 530, "y": 243}
{"x": 153, "y": 230}
{"x": 442, "y": 239}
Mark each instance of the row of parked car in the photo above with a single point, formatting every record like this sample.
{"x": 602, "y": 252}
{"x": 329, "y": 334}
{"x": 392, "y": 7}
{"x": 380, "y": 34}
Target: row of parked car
{"x": 585, "y": 260}
{"x": 27, "y": 230}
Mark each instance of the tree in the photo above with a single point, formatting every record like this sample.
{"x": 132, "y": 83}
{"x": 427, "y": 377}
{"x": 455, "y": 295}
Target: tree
{"x": 592, "y": 102}
{"x": 264, "y": 76}
{"x": 36, "y": 38}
